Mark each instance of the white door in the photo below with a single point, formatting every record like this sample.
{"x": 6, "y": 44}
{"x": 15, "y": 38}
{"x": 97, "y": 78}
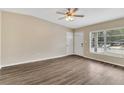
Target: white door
{"x": 69, "y": 43}
{"x": 78, "y": 43}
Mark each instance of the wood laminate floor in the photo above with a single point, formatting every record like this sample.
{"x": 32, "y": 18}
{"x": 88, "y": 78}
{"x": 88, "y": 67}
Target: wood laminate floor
{"x": 70, "y": 70}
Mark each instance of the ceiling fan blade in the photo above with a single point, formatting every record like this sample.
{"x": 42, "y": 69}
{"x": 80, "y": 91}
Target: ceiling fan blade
{"x": 74, "y": 10}
{"x": 64, "y": 10}
{"x": 78, "y": 15}
{"x": 61, "y": 18}
{"x": 69, "y": 9}
{"x": 60, "y": 13}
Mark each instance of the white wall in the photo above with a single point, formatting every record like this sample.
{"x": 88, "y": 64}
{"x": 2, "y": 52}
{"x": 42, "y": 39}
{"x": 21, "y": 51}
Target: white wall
{"x": 26, "y": 39}
{"x": 97, "y": 27}
{"x": 0, "y": 37}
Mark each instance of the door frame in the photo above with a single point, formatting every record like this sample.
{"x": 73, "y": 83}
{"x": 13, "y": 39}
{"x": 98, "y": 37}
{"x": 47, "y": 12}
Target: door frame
{"x": 72, "y": 47}
{"x": 82, "y": 42}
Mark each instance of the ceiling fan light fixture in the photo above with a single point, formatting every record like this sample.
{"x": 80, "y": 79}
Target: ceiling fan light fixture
{"x": 70, "y": 14}
{"x": 69, "y": 18}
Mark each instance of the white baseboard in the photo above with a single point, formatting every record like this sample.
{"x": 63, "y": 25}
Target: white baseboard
{"x": 118, "y": 64}
{"x": 31, "y": 61}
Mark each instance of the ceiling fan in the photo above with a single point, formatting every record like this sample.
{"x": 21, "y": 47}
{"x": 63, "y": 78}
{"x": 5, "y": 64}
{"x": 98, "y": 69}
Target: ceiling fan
{"x": 69, "y": 14}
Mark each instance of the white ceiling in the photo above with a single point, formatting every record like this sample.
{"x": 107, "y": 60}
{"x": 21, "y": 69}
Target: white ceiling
{"x": 92, "y": 15}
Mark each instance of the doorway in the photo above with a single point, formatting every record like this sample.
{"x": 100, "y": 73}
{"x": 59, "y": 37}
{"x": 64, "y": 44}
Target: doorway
{"x": 78, "y": 43}
{"x": 69, "y": 43}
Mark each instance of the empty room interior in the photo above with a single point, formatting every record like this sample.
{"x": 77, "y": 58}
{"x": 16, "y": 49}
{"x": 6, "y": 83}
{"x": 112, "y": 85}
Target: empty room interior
{"x": 62, "y": 46}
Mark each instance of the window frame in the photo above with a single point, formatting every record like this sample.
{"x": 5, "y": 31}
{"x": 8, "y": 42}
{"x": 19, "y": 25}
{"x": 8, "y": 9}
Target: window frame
{"x": 103, "y": 30}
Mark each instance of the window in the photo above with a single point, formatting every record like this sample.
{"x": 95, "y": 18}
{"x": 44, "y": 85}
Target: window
{"x": 109, "y": 42}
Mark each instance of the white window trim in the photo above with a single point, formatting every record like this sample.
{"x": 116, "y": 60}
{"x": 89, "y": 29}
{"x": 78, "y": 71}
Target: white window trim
{"x": 105, "y": 30}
